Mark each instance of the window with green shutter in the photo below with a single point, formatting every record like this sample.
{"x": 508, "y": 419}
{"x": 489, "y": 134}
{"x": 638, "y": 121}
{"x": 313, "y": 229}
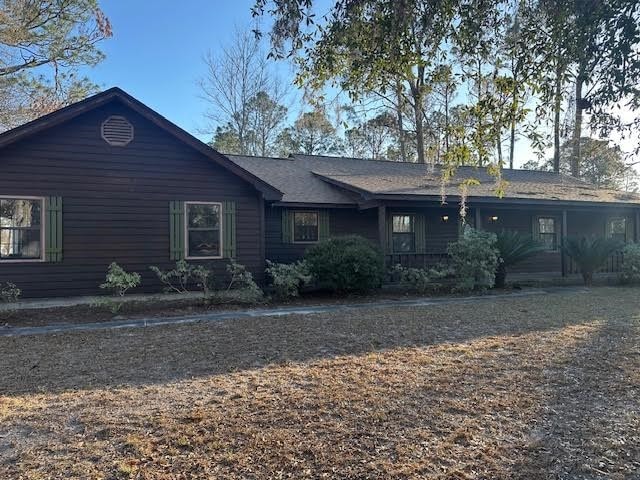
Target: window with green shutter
{"x": 406, "y": 233}
{"x": 53, "y": 230}
{"x": 202, "y": 230}
{"x": 305, "y": 226}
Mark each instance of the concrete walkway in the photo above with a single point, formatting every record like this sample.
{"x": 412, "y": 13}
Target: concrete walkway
{"x": 272, "y": 312}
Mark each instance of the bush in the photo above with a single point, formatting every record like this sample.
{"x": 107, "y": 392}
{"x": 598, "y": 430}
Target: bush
{"x": 630, "y": 272}
{"x": 119, "y": 281}
{"x": 513, "y": 247}
{"x": 9, "y": 293}
{"x": 242, "y": 279}
{"x": 180, "y": 278}
{"x": 346, "y": 264}
{"x": 474, "y": 259}
{"x": 590, "y": 254}
{"x": 288, "y": 278}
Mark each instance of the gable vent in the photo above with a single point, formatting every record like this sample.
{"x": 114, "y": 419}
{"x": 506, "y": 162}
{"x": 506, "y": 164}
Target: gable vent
{"x": 117, "y": 131}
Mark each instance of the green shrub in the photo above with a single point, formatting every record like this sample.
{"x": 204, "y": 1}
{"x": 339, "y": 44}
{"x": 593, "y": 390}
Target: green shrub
{"x": 9, "y": 292}
{"x": 119, "y": 281}
{"x": 630, "y": 272}
{"x": 590, "y": 254}
{"x": 346, "y": 264}
{"x": 288, "y": 278}
{"x": 513, "y": 247}
{"x": 474, "y": 260}
{"x": 242, "y": 279}
{"x": 183, "y": 276}
{"x": 415, "y": 279}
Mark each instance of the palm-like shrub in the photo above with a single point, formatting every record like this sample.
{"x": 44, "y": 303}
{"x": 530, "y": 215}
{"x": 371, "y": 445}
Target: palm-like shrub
{"x": 590, "y": 254}
{"x": 513, "y": 247}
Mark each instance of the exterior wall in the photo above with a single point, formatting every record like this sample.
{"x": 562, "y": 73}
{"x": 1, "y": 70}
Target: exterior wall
{"x": 342, "y": 221}
{"x": 440, "y": 233}
{"x": 116, "y": 201}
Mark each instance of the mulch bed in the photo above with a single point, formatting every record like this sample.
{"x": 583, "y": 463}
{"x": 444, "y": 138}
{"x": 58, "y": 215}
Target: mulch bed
{"x": 521, "y": 388}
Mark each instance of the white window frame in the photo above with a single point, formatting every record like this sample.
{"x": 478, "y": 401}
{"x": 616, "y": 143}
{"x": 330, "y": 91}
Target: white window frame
{"x": 42, "y": 230}
{"x": 556, "y": 232}
{"x": 293, "y": 226}
{"x": 186, "y": 231}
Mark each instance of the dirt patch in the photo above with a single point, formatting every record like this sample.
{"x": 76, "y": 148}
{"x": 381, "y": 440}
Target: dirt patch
{"x": 526, "y": 388}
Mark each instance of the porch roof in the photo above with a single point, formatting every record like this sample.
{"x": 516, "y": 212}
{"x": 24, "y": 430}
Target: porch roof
{"x": 340, "y": 180}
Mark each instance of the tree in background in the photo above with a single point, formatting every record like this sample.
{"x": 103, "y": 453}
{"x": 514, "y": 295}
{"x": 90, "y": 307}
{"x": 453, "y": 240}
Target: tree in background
{"x": 602, "y": 165}
{"x": 515, "y": 56}
{"x": 60, "y": 35}
{"x": 311, "y": 134}
{"x": 370, "y": 138}
{"x": 244, "y": 97}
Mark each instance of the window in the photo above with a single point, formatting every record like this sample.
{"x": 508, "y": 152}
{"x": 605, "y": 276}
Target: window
{"x": 305, "y": 227}
{"x": 617, "y": 228}
{"x": 547, "y": 232}
{"x": 21, "y": 229}
{"x": 203, "y": 232}
{"x": 403, "y": 237}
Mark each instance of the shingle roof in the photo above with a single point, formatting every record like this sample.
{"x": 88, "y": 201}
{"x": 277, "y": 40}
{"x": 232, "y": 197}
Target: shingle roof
{"x": 306, "y": 179}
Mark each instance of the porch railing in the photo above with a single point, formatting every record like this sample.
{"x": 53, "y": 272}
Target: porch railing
{"x": 613, "y": 265}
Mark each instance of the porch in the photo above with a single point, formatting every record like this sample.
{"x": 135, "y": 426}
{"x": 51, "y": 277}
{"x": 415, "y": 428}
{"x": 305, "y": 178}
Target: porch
{"x": 425, "y": 232}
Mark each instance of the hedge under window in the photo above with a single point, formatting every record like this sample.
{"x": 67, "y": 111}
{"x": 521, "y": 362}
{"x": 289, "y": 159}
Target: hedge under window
{"x": 21, "y": 229}
{"x": 306, "y": 227}
{"x": 403, "y": 233}
{"x": 202, "y": 230}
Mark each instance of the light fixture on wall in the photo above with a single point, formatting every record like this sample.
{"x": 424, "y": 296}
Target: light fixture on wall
{"x": 445, "y": 218}
{"x": 494, "y": 218}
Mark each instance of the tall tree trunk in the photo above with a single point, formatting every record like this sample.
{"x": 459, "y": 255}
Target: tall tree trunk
{"x": 556, "y": 117}
{"x": 446, "y": 118}
{"x": 399, "y": 113}
{"x": 577, "y": 128}
{"x": 418, "y": 112}
{"x": 512, "y": 142}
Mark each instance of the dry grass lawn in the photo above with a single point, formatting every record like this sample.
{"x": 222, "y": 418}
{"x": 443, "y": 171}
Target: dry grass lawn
{"x": 522, "y": 388}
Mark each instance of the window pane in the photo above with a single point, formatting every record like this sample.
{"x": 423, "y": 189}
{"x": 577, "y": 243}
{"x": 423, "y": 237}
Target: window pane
{"x": 305, "y": 218}
{"x": 20, "y": 243}
{"x": 548, "y": 240}
{"x": 305, "y": 226}
{"x": 618, "y": 226}
{"x": 403, "y": 242}
{"x": 547, "y": 225}
{"x": 402, "y": 223}
{"x": 204, "y": 243}
{"x": 20, "y": 213}
{"x": 203, "y": 215}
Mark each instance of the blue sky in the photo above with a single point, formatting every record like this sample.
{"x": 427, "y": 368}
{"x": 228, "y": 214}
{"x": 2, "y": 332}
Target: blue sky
{"x": 155, "y": 53}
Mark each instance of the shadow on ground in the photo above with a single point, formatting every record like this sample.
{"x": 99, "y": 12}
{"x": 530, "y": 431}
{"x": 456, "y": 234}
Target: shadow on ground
{"x": 89, "y": 360}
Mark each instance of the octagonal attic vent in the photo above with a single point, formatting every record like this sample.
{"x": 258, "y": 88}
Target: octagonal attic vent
{"x": 117, "y": 131}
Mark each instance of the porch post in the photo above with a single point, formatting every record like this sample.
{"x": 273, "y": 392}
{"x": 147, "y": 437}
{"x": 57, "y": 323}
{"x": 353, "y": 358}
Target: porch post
{"x": 477, "y": 218}
{"x": 636, "y": 227}
{"x": 562, "y": 240}
{"x": 382, "y": 228}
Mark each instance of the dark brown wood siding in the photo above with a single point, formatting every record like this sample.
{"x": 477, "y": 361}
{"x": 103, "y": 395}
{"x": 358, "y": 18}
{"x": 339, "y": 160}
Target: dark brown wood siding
{"x": 116, "y": 201}
{"x": 342, "y": 221}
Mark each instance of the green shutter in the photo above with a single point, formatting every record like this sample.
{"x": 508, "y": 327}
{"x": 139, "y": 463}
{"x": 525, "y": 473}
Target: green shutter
{"x": 287, "y": 226}
{"x": 420, "y": 233}
{"x": 229, "y": 229}
{"x": 323, "y": 225}
{"x": 53, "y": 229}
{"x": 176, "y": 230}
